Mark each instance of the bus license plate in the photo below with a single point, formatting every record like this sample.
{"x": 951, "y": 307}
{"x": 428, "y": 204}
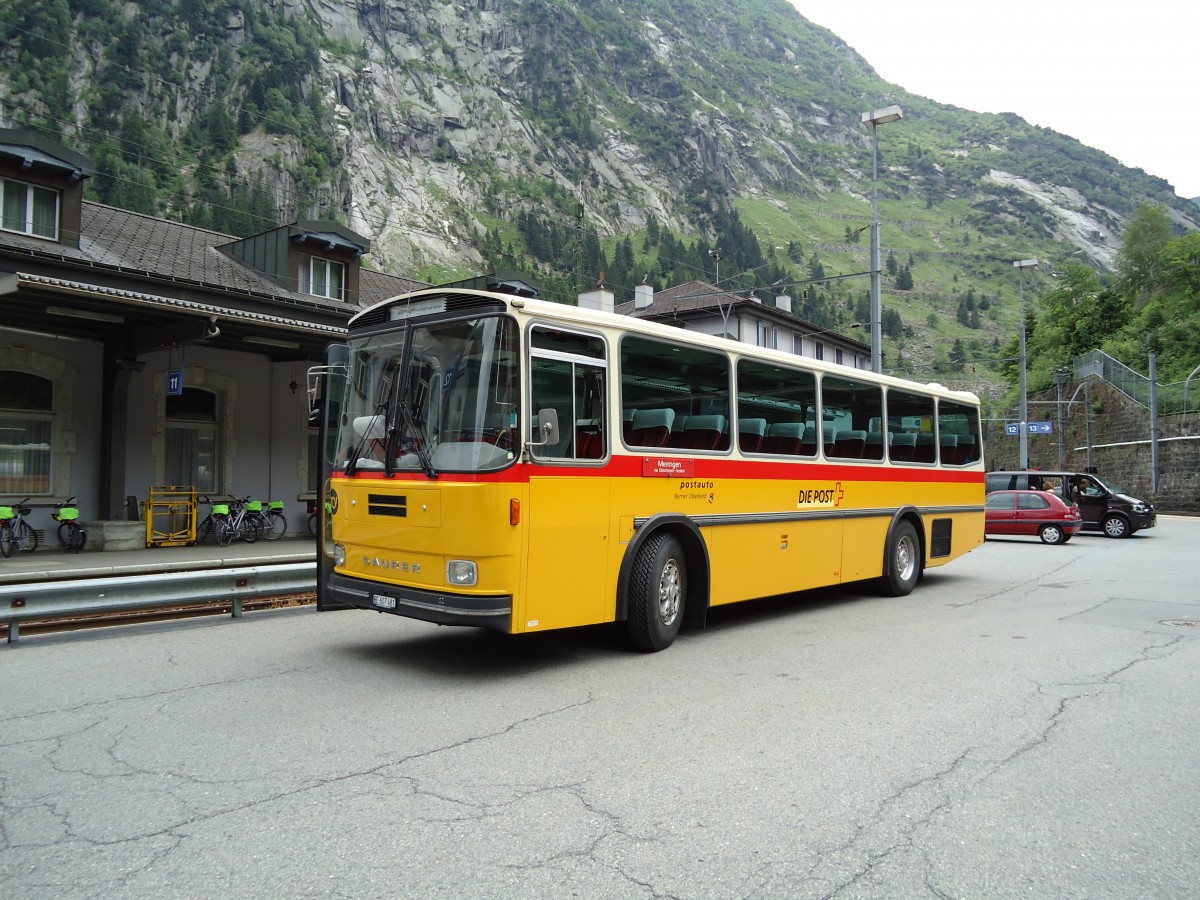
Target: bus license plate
{"x": 383, "y": 602}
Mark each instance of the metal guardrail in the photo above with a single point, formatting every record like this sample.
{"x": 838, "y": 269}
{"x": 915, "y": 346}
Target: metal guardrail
{"x": 89, "y": 596}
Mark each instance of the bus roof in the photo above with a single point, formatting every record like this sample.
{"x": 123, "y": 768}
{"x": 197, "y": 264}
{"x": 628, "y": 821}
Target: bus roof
{"x": 578, "y": 316}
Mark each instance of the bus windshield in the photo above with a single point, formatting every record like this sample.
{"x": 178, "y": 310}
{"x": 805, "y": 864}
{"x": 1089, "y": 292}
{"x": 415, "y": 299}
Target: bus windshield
{"x": 433, "y": 397}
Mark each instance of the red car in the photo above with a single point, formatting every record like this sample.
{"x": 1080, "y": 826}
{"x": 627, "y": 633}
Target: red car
{"x": 1030, "y": 513}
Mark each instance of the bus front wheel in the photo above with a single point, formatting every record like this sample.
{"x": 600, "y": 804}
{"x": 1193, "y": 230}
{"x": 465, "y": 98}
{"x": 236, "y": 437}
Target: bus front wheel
{"x": 901, "y": 561}
{"x": 657, "y": 590}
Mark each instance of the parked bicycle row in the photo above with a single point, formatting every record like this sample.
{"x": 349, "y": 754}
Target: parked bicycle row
{"x": 228, "y": 520}
{"x": 243, "y": 519}
{"x": 17, "y": 534}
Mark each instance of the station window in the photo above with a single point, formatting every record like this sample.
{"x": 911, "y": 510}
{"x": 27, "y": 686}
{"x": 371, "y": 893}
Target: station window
{"x": 193, "y": 440}
{"x": 323, "y": 278}
{"x": 26, "y": 426}
{"x": 28, "y": 209}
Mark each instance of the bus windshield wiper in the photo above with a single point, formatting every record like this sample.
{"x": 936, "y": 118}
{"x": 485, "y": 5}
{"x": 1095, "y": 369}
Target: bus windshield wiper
{"x": 356, "y": 454}
{"x": 408, "y": 426}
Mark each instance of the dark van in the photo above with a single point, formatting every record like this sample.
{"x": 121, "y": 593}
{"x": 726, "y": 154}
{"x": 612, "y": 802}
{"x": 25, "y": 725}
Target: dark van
{"x": 1103, "y": 505}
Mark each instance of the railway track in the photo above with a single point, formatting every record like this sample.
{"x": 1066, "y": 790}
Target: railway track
{"x": 113, "y": 618}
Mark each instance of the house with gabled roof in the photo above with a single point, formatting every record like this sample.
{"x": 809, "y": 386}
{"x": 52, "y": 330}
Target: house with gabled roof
{"x": 700, "y": 306}
{"x": 136, "y": 351}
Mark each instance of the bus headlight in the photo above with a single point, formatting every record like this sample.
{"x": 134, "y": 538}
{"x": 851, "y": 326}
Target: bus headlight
{"x": 339, "y": 555}
{"x": 461, "y": 573}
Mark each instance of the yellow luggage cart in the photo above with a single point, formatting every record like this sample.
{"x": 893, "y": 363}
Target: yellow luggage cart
{"x": 171, "y": 516}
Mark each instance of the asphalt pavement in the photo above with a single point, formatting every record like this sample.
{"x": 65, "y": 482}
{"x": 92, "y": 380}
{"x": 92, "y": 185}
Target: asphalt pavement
{"x": 1024, "y": 724}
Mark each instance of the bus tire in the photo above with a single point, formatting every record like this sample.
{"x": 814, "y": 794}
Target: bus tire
{"x": 657, "y": 591}
{"x": 901, "y": 560}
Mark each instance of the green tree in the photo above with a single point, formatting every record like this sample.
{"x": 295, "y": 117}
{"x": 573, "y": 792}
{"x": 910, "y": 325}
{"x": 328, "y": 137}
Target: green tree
{"x": 1142, "y": 246}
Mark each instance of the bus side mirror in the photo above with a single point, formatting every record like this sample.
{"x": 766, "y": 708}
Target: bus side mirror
{"x": 547, "y": 427}
{"x": 314, "y": 412}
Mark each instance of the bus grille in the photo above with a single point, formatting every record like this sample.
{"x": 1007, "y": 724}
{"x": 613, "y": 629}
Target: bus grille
{"x": 387, "y": 505}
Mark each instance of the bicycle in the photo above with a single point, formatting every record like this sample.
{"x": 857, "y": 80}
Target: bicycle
{"x": 312, "y": 518}
{"x": 71, "y": 534}
{"x": 234, "y": 524}
{"x": 6, "y": 516}
{"x": 17, "y": 534}
{"x": 215, "y": 512}
{"x": 270, "y": 522}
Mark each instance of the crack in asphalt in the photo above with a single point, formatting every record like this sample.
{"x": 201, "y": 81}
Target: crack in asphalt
{"x": 915, "y": 804}
{"x": 173, "y": 833}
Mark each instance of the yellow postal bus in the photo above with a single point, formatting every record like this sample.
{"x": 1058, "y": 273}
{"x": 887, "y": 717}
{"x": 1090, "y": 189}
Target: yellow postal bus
{"x": 495, "y": 460}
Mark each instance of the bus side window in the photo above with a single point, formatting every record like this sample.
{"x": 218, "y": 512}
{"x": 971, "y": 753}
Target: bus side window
{"x": 773, "y": 402}
{"x": 910, "y": 417}
{"x": 663, "y": 383}
{"x": 568, "y": 374}
{"x": 849, "y": 407}
{"x": 958, "y": 425}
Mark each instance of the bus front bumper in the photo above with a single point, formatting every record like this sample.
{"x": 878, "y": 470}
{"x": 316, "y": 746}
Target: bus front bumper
{"x": 489, "y": 611}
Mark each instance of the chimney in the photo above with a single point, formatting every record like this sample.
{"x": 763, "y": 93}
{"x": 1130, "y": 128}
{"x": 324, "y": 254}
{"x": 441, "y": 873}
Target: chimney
{"x": 643, "y": 296}
{"x": 784, "y": 302}
{"x": 599, "y": 298}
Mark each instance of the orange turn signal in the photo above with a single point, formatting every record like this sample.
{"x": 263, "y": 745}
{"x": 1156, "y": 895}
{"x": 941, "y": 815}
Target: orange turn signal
{"x": 514, "y": 511}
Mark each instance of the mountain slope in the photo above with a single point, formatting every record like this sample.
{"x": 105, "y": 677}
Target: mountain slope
{"x": 460, "y": 136}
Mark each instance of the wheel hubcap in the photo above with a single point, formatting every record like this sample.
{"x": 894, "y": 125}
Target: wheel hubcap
{"x": 906, "y": 559}
{"x": 669, "y": 592}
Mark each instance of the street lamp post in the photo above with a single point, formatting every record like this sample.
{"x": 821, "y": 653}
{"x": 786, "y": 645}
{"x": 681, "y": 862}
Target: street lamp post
{"x": 875, "y": 119}
{"x": 1022, "y": 265}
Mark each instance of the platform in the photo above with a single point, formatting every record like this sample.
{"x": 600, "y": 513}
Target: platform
{"x": 52, "y": 563}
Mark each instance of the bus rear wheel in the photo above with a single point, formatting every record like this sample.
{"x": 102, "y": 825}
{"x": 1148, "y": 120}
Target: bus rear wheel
{"x": 901, "y": 561}
{"x": 657, "y": 591}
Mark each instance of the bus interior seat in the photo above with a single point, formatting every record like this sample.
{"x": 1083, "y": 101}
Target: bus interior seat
{"x": 966, "y": 449}
{"x": 785, "y": 437}
{"x": 751, "y": 433}
{"x": 652, "y": 427}
{"x": 873, "y": 447}
{"x": 949, "y": 448}
{"x": 926, "y": 450}
{"x": 705, "y": 433}
{"x": 677, "y": 439}
{"x": 850, "y": 443}
{"x": 903, "y": 445}
{"x": 589, "y": 439}
{"x": 829, "y": 439}
{"x": 808, "y": 446}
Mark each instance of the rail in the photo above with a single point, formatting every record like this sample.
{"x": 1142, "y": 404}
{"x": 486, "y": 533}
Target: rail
{"x": 89, "y": 596}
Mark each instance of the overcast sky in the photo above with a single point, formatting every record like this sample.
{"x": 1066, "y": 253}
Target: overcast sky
{"x": 1120, "y": 77}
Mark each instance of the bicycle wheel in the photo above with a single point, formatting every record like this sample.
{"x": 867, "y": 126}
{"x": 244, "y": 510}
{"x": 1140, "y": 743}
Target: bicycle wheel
{"x": 225, "y": 533}
{"x": 25, "y": 538}
{"x": 76, "y": 539}
{"x": 312, "y": 524}
{"x": 6, "y": 547}
{"x": 275, "y": 526}
{"x": 249, "y": 529}
{"x": 64, "y": 534}
{"x": 205, "y": 529}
